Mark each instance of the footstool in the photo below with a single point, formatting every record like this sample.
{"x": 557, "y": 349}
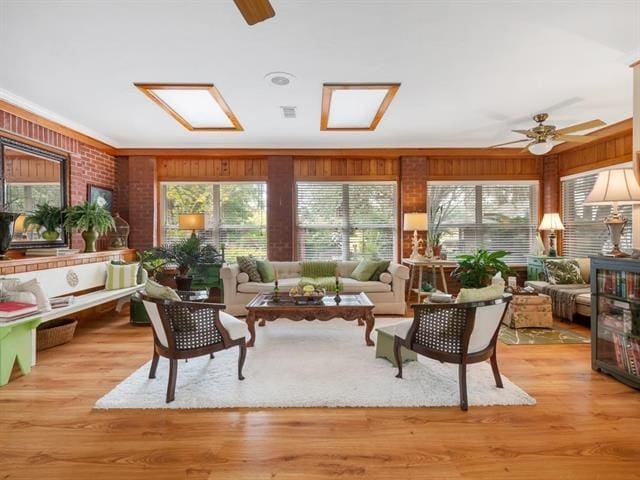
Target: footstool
{"x": 529, "y": 311}
{"x": 384, "y": 346}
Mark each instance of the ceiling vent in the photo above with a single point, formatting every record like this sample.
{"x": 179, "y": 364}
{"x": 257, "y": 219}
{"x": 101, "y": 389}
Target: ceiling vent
{"x": 288, "y": 111}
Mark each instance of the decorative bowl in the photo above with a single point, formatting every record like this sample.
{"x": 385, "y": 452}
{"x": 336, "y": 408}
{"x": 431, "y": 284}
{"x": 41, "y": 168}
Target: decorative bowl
{"x": 307, "y": 297}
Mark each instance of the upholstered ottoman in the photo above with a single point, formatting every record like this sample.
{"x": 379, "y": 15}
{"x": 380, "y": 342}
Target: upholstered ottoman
{"x": 384, "y": 346}
{"x": 529, "y": 311}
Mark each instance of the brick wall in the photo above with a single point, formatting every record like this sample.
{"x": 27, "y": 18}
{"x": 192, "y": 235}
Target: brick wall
{"x": 280, "y": 213}
{"x": 413, "y": 194}
{"x": 138, "y": 177}
{"x": 87, "y": 165}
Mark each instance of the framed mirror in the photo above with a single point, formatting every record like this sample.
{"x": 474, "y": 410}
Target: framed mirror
{"x": 32, "y": 177}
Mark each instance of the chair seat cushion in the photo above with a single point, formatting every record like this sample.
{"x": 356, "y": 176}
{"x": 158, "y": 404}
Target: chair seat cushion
{"x": 236, "y": 328}
{"x": 402, "y": 328}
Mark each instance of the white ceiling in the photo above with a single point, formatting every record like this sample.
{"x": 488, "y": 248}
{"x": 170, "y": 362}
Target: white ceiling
{"x": 470, "y": 71}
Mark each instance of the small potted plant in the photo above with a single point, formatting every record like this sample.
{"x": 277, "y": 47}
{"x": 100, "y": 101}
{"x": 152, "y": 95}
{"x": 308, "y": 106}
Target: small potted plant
{"x": 475, "y": 270}
{"x": 48, "y": 217}
{"x": 91, "y": 220}
{"x": 434, "y": 236}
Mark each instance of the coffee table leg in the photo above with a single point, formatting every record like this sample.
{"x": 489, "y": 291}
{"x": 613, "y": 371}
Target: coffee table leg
{"x": 251, "y": 325}
{"x": 370, "y": 321}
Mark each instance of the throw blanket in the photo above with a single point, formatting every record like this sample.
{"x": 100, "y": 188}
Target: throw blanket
{"x": 563, "y": 298}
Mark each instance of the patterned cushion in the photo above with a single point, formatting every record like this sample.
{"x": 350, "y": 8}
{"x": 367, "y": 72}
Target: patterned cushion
{"x": 319, "y": 269}
{"x": 249, "y": 266}
{"x": 121, "y": 276}
{"x": 365, "y": 270}
{"x": 266, "y": 271}
{"x": 563, "y": 272}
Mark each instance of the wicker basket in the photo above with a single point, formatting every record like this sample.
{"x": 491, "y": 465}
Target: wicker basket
{"x": 55, "y": 332}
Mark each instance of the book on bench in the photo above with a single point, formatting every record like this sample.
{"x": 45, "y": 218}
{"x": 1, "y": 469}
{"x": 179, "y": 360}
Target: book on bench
{"x": 60, "y": 302}
{"x": 11, "y": 310}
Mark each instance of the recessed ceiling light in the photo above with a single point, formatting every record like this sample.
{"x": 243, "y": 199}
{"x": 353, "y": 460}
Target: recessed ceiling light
{"x": 194, "y": 106}
{"x": 355, "y": 106}
{"x": 279, "y": 79}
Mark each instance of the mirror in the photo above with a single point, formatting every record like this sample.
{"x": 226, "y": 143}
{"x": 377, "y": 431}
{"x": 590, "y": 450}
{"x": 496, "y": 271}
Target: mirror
{"x": 31, "y": 177}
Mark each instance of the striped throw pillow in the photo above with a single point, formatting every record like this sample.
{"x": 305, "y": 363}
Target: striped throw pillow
{"x": 121, "y": 276}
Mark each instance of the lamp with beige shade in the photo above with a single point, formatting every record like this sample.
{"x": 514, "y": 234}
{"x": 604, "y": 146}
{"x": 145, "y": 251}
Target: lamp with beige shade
{"x": 416, "y": 222}
{"x": 551, "y": 222}
{"x": 191, "y": 221}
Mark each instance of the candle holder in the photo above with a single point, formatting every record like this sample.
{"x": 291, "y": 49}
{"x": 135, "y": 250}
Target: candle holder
{"x": 276, "y": 292}
{"x": 337, "y": 298}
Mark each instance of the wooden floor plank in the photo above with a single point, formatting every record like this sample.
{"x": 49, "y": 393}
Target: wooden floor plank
{"x": 585, "y": 425}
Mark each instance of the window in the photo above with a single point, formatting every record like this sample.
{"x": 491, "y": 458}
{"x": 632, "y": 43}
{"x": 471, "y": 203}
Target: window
{"x": 585, "y": 232}
{"x": 235, "y": 214}
{"x": 493, "y": 216}
{"x": 346, "y": 221}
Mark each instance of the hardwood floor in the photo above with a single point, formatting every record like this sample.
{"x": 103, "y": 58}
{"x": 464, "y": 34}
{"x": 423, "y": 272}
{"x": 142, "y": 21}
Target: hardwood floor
{"x": 585, "y": 425}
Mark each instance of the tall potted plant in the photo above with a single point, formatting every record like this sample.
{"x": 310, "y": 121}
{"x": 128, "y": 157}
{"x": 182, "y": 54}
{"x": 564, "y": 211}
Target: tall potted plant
{"x": 475, "y": 270}
{"x": 91, "y": 220}
{"x": 48, "y": 217}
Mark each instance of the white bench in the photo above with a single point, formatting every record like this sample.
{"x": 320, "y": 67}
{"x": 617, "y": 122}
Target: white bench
{"x": 18, "y": 337}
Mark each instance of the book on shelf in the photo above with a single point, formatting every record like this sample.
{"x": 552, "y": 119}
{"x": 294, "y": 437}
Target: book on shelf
{"x": 627, "y": 351}
{"x": 51, "y": 252}
{"x": 60, "y": 302}
{"x": 11, "y": 310}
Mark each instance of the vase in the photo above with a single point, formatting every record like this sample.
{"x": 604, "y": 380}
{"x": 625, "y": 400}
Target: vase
{"x": 50, "y": 235}
{"x": 7, "y": 221}
{"x": 436, "y": 250}
{"x": 90, "y": 236}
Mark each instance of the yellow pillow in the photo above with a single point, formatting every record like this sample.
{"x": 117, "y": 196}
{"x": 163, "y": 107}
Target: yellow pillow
{"x": 480, "y": 294}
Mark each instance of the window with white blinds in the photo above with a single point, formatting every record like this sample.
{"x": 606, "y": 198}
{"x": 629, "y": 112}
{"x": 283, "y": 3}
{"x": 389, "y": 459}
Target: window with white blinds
{"x": 584, "y": 230}
{"x": 345, "y": 221}
{"x": 492, "y": 216}
{"x": 235, "y": 214}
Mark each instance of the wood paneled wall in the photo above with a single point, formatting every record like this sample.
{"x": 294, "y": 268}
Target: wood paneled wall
{"x": 607, "y": 152}
{"x": 342, "y": 168}
{"x": 484, "y": 168}
{"x": 212, "y": 169}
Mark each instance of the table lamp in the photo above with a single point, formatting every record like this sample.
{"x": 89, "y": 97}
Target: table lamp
{"x": 551, "y": 222}
{"x": 415, "y": 222}
{"x": 191, "y": 221}
{"x": 615, "y": 187}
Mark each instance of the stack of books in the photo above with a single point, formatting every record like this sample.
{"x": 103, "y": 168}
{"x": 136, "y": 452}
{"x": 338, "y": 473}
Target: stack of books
{"x": 13, "y": 310}
{"x": 60, "y": 302}
{"x": 51, "y": 252}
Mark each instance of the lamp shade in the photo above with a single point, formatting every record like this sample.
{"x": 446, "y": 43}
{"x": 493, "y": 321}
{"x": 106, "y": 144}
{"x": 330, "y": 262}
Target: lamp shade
{"x": 191, "y": 221}
{"x": 614, "y": 186}
{"x": 541, "y": 147}
{"x": 415, "y": 221}
{"x": 18, "y": 227}
{"x": 551, "y": 221}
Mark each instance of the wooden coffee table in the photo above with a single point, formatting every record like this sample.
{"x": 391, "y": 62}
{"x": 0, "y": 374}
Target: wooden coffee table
{"x": 351, "y": 307}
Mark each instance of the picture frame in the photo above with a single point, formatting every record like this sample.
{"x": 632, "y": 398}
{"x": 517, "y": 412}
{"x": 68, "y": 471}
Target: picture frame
{"x": 102, "y": 195}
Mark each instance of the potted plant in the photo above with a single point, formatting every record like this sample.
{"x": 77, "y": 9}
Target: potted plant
{"x": 48, "y": 217}
{"x": 475, "y": 270}
{"x": 434, "y": 237}
{"x": 91, "y": 220}
{"x": 185, "y": 254}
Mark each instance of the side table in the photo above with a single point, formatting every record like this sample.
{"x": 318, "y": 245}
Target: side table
{"x": 419, "y": 265}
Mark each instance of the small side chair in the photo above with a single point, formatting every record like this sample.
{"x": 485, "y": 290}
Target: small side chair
{"x": 461, "y": 333}
{"x": 183, "y": 330}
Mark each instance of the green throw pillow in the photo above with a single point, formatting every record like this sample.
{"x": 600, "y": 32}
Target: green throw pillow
{"x": 161, "y": 292}
{"x": 249, "y": 266}
{"x": 365, "y": 270}
{"x": 563, "y": 272}
{"x": 142, "y": 273}
{"x": 383, "y": 265}
{"x": 121, "y": 276}
{"x": 319, "y": 269}
{"x": 480, "y": 294}
{"x": 266, "y": 271}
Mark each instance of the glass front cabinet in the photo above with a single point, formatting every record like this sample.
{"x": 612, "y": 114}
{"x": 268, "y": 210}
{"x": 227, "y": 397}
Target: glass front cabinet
{"x": 615, "y": 318}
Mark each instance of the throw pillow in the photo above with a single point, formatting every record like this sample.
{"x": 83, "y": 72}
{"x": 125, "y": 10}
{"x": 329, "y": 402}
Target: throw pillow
{"x": 319, "y": 269}
{"x": 365, "y": 270}
{"x": 121, "y": 276}
{"x": 386, "y": 277}
{"x": 243, "y": 277}
{"x": 585, "y": 268}
{"x": 563, "y": 272}
{"x": 249, "y": 266}
{"x": 161, "y": 292}
{"x": 383, "y": 265}
{"x": 142, "y": 273}
{"x": 266, "y": 271}
{"x": 480, "y": 294}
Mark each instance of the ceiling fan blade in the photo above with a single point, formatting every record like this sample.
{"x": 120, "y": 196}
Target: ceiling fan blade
{"x": 580, "y": 126}
{"x": 509, "y": 143}
{"x": 526, "y": 149}
{"x": 574, "y": 138}
{"x": 255, "y": 11}
{"x": 523, "y": 132}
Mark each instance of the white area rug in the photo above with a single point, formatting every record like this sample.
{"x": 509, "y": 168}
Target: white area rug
{"x": 311, "y": 364}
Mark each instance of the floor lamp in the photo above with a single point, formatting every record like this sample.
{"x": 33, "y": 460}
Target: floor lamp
{"x": 615, "y": 187}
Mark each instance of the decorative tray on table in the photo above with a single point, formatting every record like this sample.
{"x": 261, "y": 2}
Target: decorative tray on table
{"x": 307, "y": 295}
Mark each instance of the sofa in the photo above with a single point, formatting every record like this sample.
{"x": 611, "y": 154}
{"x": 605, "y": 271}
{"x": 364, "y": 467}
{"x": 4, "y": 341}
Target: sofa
{"x": 388, "y": 294}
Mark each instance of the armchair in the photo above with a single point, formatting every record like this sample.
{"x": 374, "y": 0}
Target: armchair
{"x": 183, "y": 330}
{"x": 461, "y": 333}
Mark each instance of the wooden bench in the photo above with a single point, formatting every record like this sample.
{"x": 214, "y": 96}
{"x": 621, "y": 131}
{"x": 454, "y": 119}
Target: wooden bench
{"x": 18, "y": 337}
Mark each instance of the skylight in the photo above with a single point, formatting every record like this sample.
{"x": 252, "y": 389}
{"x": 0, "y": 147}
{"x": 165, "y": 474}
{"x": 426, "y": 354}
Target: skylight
{"x": 355, "y": 106}
{"x": 196, "y": 107}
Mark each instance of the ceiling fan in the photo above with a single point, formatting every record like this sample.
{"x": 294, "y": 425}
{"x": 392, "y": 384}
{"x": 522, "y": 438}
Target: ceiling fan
{"x": 541, "y": 137}
{"x": 255, "y": 11}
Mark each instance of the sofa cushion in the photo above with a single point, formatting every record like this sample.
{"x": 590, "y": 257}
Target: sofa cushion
{"x": 266, "y": 271}
{"x": 351, "y": 285}
{"x": 563, "y": 272}
{"x": 365, "y": 270}
{"x": 256, "y": 287}
{"x": 383, "y": 265}
{"x": 317, "y": 269}
{"x": 249, "y": 266}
